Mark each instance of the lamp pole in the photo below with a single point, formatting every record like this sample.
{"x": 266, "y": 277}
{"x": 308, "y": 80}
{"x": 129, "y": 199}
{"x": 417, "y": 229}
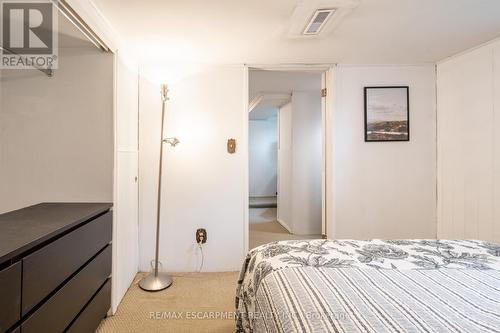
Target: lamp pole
{"x": 156, "y": 281}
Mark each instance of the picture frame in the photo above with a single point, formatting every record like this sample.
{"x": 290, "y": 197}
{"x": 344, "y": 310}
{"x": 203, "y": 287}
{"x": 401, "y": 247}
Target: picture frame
{"x": 387, "y": 113}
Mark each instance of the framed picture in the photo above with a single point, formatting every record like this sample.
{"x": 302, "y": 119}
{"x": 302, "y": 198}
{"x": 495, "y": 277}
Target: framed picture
{"x": 387, "y": 114}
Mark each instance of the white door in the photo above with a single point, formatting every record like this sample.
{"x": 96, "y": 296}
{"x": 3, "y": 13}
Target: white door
{"x": 285, "y": 166}
{"x": 125, "y": 210}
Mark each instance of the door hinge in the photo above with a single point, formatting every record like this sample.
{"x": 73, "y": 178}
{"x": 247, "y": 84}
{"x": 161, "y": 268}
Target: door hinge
{"x": 323, "y": 92}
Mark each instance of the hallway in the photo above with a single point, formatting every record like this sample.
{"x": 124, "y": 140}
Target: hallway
{"x": 264, "y": 228}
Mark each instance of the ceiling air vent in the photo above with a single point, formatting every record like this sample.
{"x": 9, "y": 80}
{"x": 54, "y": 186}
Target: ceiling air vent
{"x": 318, "y": 21}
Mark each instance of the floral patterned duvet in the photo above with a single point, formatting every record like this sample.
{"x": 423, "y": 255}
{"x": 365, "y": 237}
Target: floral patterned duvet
{"x": 334, "y": 256}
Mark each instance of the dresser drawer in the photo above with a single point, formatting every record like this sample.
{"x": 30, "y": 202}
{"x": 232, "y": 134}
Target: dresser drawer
{"x": 96, "y": 310}
{"x": 45, "y": 269}
{"x": 58, "y": 312}
{"x": 10, "y": 296}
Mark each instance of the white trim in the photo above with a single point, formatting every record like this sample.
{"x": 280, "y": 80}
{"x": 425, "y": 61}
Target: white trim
{"x": 92, "y": 16}
{"x": 284, "y": 225}
{"x": 253, "y": 104}
{"x": 324, "y": 112}
{"x": 437, "y": 166}
{"x": 329, "y": 165}
{"x": 114, "y": 244}
{"x": 282, "y": 98}
{"x": 421, "y": 64}
{"x": 270, "y": 95}
{"x": 320, "y": 67}
{"x": 246, "y": 172}
{"x": 278, "y": 184}
{"x": 329, "y": 158}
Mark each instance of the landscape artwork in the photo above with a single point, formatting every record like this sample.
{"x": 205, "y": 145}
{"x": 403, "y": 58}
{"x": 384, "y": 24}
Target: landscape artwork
{"x": 387, "y": 114}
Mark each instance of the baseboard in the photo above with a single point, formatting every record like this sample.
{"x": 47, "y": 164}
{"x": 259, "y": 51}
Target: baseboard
{"x": 284, "y": 225}
{"x": 271, "y": 203}
{"x": 263, "y": 205}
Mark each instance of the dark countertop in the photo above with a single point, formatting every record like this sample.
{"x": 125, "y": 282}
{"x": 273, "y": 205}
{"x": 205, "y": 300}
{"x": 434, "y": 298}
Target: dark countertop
{"x": 23, "y": 229}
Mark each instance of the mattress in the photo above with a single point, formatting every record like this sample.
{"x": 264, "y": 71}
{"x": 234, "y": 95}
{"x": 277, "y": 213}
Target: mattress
{"x": 370, "y": 286}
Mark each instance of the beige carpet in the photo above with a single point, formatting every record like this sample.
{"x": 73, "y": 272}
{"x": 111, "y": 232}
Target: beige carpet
{"x": 196, "y": 298}
{"x": 265, "y": 229}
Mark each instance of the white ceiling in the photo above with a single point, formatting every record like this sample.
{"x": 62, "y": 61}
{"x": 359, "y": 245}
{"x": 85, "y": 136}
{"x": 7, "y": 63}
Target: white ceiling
{"x": 263, "y": 113}
{"x": 276, "y": 88}
{"x": 281, "y": 82}
{"x": 258, "y": 31}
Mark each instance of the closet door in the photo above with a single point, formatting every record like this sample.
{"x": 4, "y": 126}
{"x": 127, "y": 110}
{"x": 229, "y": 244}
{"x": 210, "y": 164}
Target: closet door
{"x": 125, "y": 242}
{"x": 466, "y": 146}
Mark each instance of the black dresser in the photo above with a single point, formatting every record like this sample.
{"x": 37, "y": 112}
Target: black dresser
{"x": 55, "y": 267}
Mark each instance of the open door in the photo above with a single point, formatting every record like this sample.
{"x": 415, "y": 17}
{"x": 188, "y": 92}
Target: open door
{"x": 284, "y": 203}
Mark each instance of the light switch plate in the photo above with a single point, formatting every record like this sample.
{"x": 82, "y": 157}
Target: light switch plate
{"x": 231, "y": 146}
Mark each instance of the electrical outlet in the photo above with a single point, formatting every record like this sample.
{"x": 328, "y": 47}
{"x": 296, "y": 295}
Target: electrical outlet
{"x": 201, "y": 236}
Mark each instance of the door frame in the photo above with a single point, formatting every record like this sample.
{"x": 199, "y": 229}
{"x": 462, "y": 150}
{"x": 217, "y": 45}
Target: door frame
{"x": 328, "y": 71}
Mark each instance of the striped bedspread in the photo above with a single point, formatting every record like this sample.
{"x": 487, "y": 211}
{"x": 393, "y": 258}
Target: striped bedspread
{"x": 370, "y": 286}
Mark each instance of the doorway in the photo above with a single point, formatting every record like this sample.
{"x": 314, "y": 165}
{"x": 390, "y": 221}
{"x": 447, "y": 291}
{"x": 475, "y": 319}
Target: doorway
{"x": 286, "y": 155}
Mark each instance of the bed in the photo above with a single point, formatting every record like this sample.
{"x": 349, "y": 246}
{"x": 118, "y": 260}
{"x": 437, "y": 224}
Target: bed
{"x": 370, "y": 286}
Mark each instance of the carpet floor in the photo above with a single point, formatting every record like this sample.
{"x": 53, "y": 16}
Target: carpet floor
{"x": 196, "y": 302}
{"x": 265, "y": 229}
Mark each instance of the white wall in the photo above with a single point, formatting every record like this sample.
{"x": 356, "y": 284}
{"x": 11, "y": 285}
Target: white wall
{"x": 56, "y": 134}
{"x": 263, "y": 157}
{"x": 388, "y": 189}
{"x": 203, "y": 186}
{"x": 469, "y": 145}
{"x": 496, "y": 151}
{"x": 385, "y": 190}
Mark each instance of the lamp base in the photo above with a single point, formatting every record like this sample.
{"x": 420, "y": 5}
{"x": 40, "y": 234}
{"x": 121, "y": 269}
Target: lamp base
{"x": 155, "y": 283}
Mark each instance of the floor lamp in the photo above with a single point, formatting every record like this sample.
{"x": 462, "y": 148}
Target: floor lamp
{"x": 156, "y": 281}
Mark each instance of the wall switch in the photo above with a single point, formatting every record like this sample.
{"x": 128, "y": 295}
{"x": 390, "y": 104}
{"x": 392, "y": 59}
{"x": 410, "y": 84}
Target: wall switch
{"x": 231, "y": 146}
{"x": 201, "y": 236}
